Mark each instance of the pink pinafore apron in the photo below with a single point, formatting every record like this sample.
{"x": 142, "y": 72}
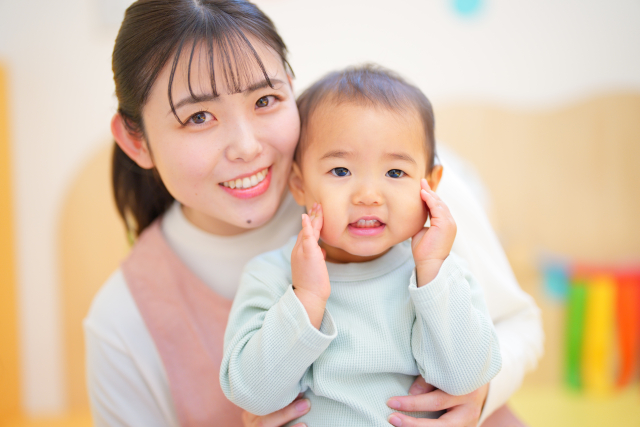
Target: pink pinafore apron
{"x": 186, "y": 320}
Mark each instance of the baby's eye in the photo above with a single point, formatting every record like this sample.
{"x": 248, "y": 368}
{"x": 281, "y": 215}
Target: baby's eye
{"x": 395, "y": 173}
{"x": 265, "y": 101}
{"x": 201, "y": 117}
{"x": 340, "y": 171}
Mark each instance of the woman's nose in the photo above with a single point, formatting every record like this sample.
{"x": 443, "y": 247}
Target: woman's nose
{"x": 243, "y": 145}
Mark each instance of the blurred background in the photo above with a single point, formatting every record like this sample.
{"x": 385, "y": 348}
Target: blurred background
{"x": 541, "y": 100}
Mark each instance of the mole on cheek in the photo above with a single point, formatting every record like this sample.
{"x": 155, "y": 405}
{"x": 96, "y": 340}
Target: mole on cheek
{"x": 248, "y": 221}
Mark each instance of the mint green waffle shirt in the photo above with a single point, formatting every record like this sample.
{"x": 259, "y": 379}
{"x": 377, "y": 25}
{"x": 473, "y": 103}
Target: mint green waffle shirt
{"x": 379, "y": 331}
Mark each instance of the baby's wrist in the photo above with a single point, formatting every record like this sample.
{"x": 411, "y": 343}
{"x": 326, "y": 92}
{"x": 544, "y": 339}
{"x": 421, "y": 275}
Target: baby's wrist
{"x": 313, "y": 303}
{"x": 427, "y": 270}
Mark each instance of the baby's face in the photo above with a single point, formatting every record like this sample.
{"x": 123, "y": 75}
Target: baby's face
{"x": 363, "y": 165}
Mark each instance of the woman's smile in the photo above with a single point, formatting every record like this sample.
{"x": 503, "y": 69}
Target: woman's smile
{"x": 248, "y": 186}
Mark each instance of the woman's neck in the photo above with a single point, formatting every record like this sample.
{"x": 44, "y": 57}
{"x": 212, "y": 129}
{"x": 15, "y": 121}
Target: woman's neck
{"x": 211, "y": 225}
{"x": 219, "y": 227}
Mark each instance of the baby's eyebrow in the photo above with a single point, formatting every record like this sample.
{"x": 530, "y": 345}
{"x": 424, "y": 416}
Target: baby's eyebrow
{"x": 338, "y": 154}
{"x": 401, "y": 156}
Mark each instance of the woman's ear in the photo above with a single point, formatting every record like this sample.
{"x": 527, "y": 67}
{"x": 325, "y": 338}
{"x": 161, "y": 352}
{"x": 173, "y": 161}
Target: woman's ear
{"x": 296, "y": 185}
{"x": 435, "y": 176}
{"x": 134, "y": 146}
{"x": 290, "y": 79}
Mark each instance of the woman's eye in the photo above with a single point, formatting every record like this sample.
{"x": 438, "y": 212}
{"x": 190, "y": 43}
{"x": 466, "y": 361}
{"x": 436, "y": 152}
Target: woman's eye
{"x": 340, "y": 172}
{"x": 395, "y": 173}
{"x": 201, "y": 117}
{"x": 265, "y": 101}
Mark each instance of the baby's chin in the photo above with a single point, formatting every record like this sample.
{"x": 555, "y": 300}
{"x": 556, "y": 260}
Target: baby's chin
{"x": 354, "y": 254}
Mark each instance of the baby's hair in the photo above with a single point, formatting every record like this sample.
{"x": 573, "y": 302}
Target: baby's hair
{"x": 367, "y": 85}
{"x": 155, "y": 33}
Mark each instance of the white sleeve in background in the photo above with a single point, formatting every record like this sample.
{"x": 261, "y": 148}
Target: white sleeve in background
{"x": 127, "y": 384}
{"x": 269, "y": 343}
{"x": 453, "y": 339}
{"x": 514, "y": 313}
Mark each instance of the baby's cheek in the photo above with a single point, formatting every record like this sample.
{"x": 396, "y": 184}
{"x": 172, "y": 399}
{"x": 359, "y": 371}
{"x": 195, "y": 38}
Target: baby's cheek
{"x": 329, "y": 231}
{"x": 415, "y": 216}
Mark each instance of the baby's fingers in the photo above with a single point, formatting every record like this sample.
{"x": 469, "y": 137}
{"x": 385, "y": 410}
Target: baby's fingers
{"x": 317, "y": 220}
{"x": 437, "y": 208}
{"x": 309, "y": 239}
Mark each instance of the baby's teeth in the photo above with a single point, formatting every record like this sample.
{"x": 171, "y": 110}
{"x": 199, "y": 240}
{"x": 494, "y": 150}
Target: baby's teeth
{"x": 361, "y": 222}
{"x": 246, "y": 183}
{"x": 254, "y": 180}
{"x": 238, "y": 183}
{"x": 226, "y": 184}
{"x": 232, "y": 184}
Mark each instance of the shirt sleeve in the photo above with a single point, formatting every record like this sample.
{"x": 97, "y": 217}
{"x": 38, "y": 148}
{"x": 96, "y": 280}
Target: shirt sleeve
{"x": 269, "y": 342}
{"x": 453, "y": 339}
{"x": 125, "y": 379}
{"x": 514, "y": 313}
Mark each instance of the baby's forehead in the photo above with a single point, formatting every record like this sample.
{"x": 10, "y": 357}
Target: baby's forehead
{"x": 369, "y": 86}
{"x": 331, "y": 118}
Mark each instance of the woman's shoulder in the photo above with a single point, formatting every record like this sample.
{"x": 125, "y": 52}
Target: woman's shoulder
{"x": 113, "y": 316}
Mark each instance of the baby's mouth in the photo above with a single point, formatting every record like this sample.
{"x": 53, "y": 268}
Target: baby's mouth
{"x": 366, "y": 223}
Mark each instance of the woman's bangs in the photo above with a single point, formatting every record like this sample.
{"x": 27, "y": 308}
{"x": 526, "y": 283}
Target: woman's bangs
{"x": 225, "y": 47}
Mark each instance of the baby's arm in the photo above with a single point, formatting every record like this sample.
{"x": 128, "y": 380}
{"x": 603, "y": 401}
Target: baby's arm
{"x": 453, "y": 339}
{"x": 270, "y": 341}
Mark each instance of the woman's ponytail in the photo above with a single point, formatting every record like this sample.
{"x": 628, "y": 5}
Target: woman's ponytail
{"x": 140, "y": 195}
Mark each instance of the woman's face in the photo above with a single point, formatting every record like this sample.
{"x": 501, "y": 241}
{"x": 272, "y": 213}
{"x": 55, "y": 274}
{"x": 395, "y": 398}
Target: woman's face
{"x": 229, "y": 164}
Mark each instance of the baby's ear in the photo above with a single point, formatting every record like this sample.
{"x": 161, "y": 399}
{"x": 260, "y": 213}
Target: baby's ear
{"x": 296, "y": 184}
{"x": 435, "y": 176}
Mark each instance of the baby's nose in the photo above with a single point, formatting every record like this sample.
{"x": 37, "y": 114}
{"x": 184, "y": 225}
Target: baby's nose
{"x": 367, "y": 194}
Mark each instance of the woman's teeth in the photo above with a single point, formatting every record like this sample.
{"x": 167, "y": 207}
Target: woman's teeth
{"x": 248, "y": 182}
{"x": 368, "y": 223}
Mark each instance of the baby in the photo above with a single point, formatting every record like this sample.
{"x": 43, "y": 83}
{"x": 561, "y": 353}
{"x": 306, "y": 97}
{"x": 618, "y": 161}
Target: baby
{"x": 351, "y": 311}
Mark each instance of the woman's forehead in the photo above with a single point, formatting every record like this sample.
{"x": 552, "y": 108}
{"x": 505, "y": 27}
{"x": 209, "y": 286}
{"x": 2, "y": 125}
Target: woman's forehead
{"x": 203, "y": 69}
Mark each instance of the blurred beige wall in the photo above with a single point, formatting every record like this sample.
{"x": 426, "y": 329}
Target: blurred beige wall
{"x": 92, "y": 245}
{"x": 564, "y": 182}
{"x": 9, "y": 365}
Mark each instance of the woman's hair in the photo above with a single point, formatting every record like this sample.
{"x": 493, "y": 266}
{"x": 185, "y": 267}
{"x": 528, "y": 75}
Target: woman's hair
{"x": 155, "y": 33}
{"x": 368, "y": 85}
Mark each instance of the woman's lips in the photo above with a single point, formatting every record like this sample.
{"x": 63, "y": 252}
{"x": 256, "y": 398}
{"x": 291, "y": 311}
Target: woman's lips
{"x": 246, "y": 181}
{"x": 247, "y": 193}
{"x": 366, "y": 226}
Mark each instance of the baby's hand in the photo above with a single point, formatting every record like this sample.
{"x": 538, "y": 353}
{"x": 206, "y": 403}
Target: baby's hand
{"x": 308, "y": 268}
{"x": 432, "y": 245}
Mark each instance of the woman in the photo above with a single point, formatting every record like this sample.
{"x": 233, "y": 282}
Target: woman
{"x": 205, "y": 134}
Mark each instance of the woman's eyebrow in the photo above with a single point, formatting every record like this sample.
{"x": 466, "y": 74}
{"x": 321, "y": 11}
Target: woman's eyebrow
{"x": 211, "y": 97}
{"x": 194, "y": 100}
{"x": 262, "y": 84}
